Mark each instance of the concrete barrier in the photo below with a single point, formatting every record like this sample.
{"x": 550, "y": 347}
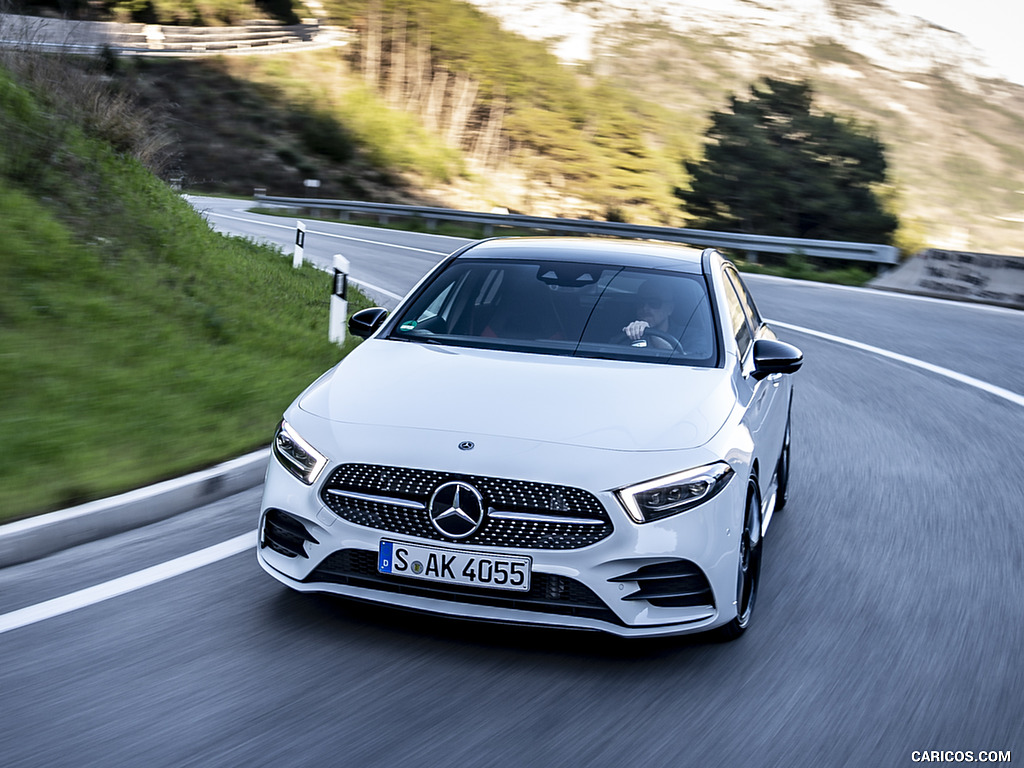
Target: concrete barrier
{"x": 36, "y": 537}
{"x": 987, "y": 278}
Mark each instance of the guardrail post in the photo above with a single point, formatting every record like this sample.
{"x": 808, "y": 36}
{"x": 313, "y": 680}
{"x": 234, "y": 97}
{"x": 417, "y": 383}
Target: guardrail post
{"x": 154, "y": 37}
{"x": 300, "y": 244}
{"x": 339, "y": 300}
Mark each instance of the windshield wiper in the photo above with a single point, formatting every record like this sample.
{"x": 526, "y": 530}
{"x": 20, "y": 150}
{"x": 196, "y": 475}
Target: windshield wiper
{"x": 419, "y": 339}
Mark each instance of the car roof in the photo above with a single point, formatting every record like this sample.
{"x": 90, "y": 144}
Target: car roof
{"x": 591, "y": 250}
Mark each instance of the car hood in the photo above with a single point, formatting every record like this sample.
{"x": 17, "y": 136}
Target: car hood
{"x": 610, "y": 405}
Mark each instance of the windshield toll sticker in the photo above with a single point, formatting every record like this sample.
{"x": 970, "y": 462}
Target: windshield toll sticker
{"x": 407, "y": 325}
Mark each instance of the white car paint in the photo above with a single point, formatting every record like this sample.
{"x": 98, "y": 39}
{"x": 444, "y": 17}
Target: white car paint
{"x": 595, "y": 425}
{"x": 590, "y": 403}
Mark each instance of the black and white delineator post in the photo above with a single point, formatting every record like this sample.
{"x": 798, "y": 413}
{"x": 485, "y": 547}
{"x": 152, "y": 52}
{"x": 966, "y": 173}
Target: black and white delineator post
{"x": 300, "y": 242}
{"x": 339, "y": 300}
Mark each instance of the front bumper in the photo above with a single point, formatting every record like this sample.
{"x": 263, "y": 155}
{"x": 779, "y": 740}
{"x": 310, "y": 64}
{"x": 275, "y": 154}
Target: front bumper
{"x": 616, "y": 585}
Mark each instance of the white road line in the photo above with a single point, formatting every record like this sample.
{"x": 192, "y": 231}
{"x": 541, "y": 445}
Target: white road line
{"x": 144, "y": 578}
{"x": 248, "y": 221}
{"x": 378, "y": 242}
{"x": 378, "y": 289}
{"x": 992, "y": 389}
{"x": 866, "y": 290}
{"x": 349, "y": 224}
{"x": 371, "y": 286}
{"x": 329, "y": 234}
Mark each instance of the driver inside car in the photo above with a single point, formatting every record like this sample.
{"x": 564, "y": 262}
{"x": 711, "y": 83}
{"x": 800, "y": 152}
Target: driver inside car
{"x": 654, "y": 308}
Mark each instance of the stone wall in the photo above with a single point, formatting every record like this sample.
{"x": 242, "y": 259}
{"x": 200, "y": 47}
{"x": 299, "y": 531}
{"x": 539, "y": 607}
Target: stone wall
{"x": 982, "y": 277}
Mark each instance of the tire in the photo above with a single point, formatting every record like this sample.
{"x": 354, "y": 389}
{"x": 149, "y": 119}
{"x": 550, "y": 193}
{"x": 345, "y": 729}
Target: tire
{"x": 748, "y": 576}
{"x": 782, "y": 474}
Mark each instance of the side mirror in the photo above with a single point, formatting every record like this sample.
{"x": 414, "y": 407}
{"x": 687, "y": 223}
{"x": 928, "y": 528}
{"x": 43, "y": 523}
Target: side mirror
{"x": 366, "y": 321}
{"x": 771, "y": 356}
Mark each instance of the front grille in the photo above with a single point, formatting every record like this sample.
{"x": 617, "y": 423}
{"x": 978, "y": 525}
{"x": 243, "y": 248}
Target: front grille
{"x": 548, "y": 593}
{"x": 674, "y": 584}
{"x": 521, "y": 515}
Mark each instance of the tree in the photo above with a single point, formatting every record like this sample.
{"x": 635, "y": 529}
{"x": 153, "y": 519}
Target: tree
{"x": 772, "y": 166}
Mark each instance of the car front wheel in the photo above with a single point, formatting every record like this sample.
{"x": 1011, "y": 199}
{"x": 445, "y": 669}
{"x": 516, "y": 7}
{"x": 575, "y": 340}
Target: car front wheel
{"x": 749, "y": 570}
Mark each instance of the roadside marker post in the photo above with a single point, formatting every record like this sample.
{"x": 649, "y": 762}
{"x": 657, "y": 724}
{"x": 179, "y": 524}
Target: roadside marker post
{"x": 339, "y": 300}
{"x": 300, "y": 243}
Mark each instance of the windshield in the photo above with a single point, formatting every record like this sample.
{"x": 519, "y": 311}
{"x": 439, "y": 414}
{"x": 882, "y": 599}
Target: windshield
{"x": 566, "y": 308}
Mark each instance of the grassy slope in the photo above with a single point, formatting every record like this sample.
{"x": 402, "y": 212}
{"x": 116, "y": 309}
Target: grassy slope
{"x": 135, "y": 342}
{"x": 274, "y": 121}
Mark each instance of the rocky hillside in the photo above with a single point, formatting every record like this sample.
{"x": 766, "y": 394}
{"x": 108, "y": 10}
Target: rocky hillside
{"x": 954, "y": 128}
{"x": 586, "y": 29}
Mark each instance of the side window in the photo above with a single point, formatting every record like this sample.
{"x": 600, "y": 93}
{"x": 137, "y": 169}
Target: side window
{"x": 737, "y": 316}
{"x": 753, "y": 316}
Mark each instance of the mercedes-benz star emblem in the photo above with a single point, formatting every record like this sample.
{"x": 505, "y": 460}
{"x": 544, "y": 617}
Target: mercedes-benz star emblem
{"x": 456, "y": 510}
{"x": 467, "y": 445}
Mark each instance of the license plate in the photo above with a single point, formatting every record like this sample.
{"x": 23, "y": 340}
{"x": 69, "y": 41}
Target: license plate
{"x": 454, "y": 566}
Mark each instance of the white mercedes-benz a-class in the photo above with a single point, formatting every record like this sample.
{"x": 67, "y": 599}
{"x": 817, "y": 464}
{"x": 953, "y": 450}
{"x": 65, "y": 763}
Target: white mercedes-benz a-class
{"x": 583, "y": 433}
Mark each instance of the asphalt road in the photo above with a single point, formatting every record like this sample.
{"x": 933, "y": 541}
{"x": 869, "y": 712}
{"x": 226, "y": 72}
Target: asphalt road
{"x": 385, "y": 263}
{"x": 889, "y": 620}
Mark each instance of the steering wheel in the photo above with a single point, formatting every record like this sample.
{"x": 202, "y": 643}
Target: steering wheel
{"x": 676, "y": 344}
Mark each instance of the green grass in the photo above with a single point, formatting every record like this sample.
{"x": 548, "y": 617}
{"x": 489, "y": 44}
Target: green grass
{"x": 274, "y": 121}
{"x": 798, "y": 267}
{"x": 117, "y": 374}
{"x": 135, "y": 342}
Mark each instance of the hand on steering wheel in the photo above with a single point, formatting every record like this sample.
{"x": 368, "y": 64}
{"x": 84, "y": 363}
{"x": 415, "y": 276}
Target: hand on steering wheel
{"x": 638, "y": 329}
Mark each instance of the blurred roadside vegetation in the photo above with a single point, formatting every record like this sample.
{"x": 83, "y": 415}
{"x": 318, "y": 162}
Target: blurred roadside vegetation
{"x": 135, "y": 342}
{"x": 205, "y": 13}
{"x": 581, "y": 141}
{"x": 430, "y": 102}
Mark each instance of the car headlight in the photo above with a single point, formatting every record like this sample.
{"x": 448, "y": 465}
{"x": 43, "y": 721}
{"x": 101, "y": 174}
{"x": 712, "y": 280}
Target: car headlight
{"x": 676, "y": 493}
{"x": 296, "y": 455}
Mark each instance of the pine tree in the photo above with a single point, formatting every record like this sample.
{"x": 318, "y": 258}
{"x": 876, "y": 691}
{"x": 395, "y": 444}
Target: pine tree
{"x": 774, "y": 166}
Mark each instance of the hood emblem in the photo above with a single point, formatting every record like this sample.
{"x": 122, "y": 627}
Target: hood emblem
{"x": 467, "y": 445}
{"x": 456, "y": 510}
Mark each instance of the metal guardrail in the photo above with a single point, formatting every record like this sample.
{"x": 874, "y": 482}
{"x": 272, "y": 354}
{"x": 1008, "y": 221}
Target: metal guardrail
{"x": 881, "y": 255}
{"x": 136, "y": 39}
